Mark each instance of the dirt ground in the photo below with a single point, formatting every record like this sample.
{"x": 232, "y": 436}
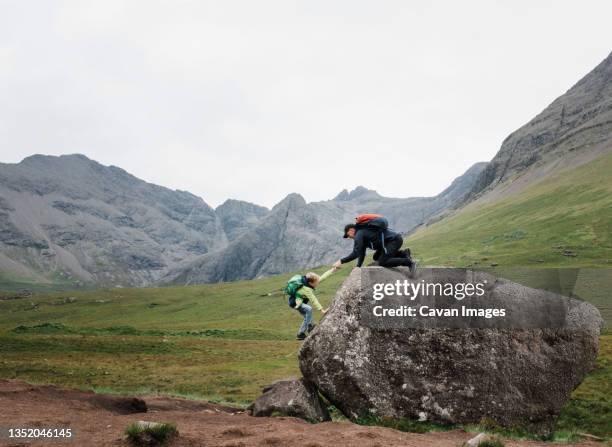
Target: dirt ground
{"x": 100, "y": 420}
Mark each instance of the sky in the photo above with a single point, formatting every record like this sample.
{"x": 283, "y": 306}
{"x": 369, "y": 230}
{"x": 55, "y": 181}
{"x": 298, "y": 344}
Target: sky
{"x": 253, "y": 100}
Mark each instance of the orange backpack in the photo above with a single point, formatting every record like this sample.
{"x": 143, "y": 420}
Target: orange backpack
{"x": 363, "y": 219}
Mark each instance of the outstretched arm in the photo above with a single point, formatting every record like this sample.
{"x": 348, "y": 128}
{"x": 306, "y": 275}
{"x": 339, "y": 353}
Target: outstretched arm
{"x": 326, "y": 275}
{"x": 359, "y": 249}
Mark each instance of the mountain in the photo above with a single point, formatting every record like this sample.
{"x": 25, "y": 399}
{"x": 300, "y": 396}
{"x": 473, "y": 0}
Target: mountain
{"x": 70, "y": 220}
{"x": 297, "y": 235}
{"x": 404, "y": 214}
{"x": 545, "y": 198}
{"x": 291, "y": 235}
{"x": 77, "y": 220}
{"x": 572, "y": 130}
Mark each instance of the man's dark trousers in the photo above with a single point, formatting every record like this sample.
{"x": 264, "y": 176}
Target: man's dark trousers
{"x": 392, "y": 258}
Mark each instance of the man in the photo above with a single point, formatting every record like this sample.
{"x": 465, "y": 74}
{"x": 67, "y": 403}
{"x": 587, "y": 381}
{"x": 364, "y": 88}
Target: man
{"x": 386, "y": 243}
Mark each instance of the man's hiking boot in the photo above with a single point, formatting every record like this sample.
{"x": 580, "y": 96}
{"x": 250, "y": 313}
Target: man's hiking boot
{"x": 413, "y": 268}
{"x": 311, "y": 326}
{"x": 301, "y": 336}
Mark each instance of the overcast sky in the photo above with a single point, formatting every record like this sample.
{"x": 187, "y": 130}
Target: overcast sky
{"x": 256, "y": 99}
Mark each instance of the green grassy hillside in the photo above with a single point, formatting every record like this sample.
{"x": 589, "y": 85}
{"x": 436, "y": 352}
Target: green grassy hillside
{"x": 563, "y": 221}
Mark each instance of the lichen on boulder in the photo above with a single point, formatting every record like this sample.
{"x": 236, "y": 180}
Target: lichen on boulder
{"x": 515, "y": 377}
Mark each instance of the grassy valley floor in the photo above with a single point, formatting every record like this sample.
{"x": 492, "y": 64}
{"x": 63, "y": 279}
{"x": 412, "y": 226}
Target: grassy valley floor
{"x": 221, "y": 343}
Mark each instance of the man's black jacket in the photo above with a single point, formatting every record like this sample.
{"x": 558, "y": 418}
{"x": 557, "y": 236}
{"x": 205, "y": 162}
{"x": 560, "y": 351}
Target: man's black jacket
{"x": 368, "y": 238}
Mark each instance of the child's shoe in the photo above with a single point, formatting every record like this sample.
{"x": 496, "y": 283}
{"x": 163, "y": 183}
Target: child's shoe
{"x": 311, "y": 326}
{"x": 300, "y": 336}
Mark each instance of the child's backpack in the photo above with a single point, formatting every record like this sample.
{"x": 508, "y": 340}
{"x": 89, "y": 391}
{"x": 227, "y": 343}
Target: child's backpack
{"x": 372, "y": 221}
{"x": 294, "y": 284}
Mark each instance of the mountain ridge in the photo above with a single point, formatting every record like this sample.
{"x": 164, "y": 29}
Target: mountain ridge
{"x": 575, "y": 121}
{"x": 71, "y": 219}
{"x": 297, "y": 234}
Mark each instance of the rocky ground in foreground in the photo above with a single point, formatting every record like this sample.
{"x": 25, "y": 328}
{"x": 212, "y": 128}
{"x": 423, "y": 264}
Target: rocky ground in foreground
{"x": 100, "y": 420}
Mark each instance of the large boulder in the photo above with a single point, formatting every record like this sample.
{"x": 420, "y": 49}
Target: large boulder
{"x": 294, "y": 397}
{"x": 514, "y": 377}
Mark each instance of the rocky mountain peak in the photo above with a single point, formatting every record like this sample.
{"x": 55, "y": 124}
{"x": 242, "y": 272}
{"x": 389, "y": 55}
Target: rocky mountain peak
{"x": 238, "y": 216}
{"x": 291, "y": 201}
{"x": 39, "y": 159}
{"x": 233, "y": 204}
{"x": 342, "y": 196}
{"x": 360, "y": 192}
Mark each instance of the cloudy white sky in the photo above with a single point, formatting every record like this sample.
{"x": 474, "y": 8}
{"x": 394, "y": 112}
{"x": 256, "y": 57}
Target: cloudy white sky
{"x": 256, "y": 99}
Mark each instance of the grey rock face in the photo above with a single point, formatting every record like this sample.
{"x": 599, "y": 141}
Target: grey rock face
{"x": 72, "y": 216}
{"x": 515, "y": 377}
{"x": 291, "y": 236}
{"x": 238, "y": 217}
{"x": 404, "y": 214}
{"x": 296, "y": 398}
{"x": 579, "y": 120}
{"x": 296, "y": 235}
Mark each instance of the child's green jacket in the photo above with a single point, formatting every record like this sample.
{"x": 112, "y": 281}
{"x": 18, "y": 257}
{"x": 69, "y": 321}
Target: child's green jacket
{"x": 307, "y": 292}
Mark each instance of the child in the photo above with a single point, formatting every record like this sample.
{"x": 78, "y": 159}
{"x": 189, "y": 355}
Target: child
{"x": 301, "y": 292}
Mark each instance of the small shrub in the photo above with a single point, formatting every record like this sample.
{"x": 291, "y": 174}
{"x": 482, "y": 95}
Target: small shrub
{"x": 336, "y": 414}
{"x": 488, "y": 424}
{"x": 43, "y": 328}
{"x": 150, "y": 434}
